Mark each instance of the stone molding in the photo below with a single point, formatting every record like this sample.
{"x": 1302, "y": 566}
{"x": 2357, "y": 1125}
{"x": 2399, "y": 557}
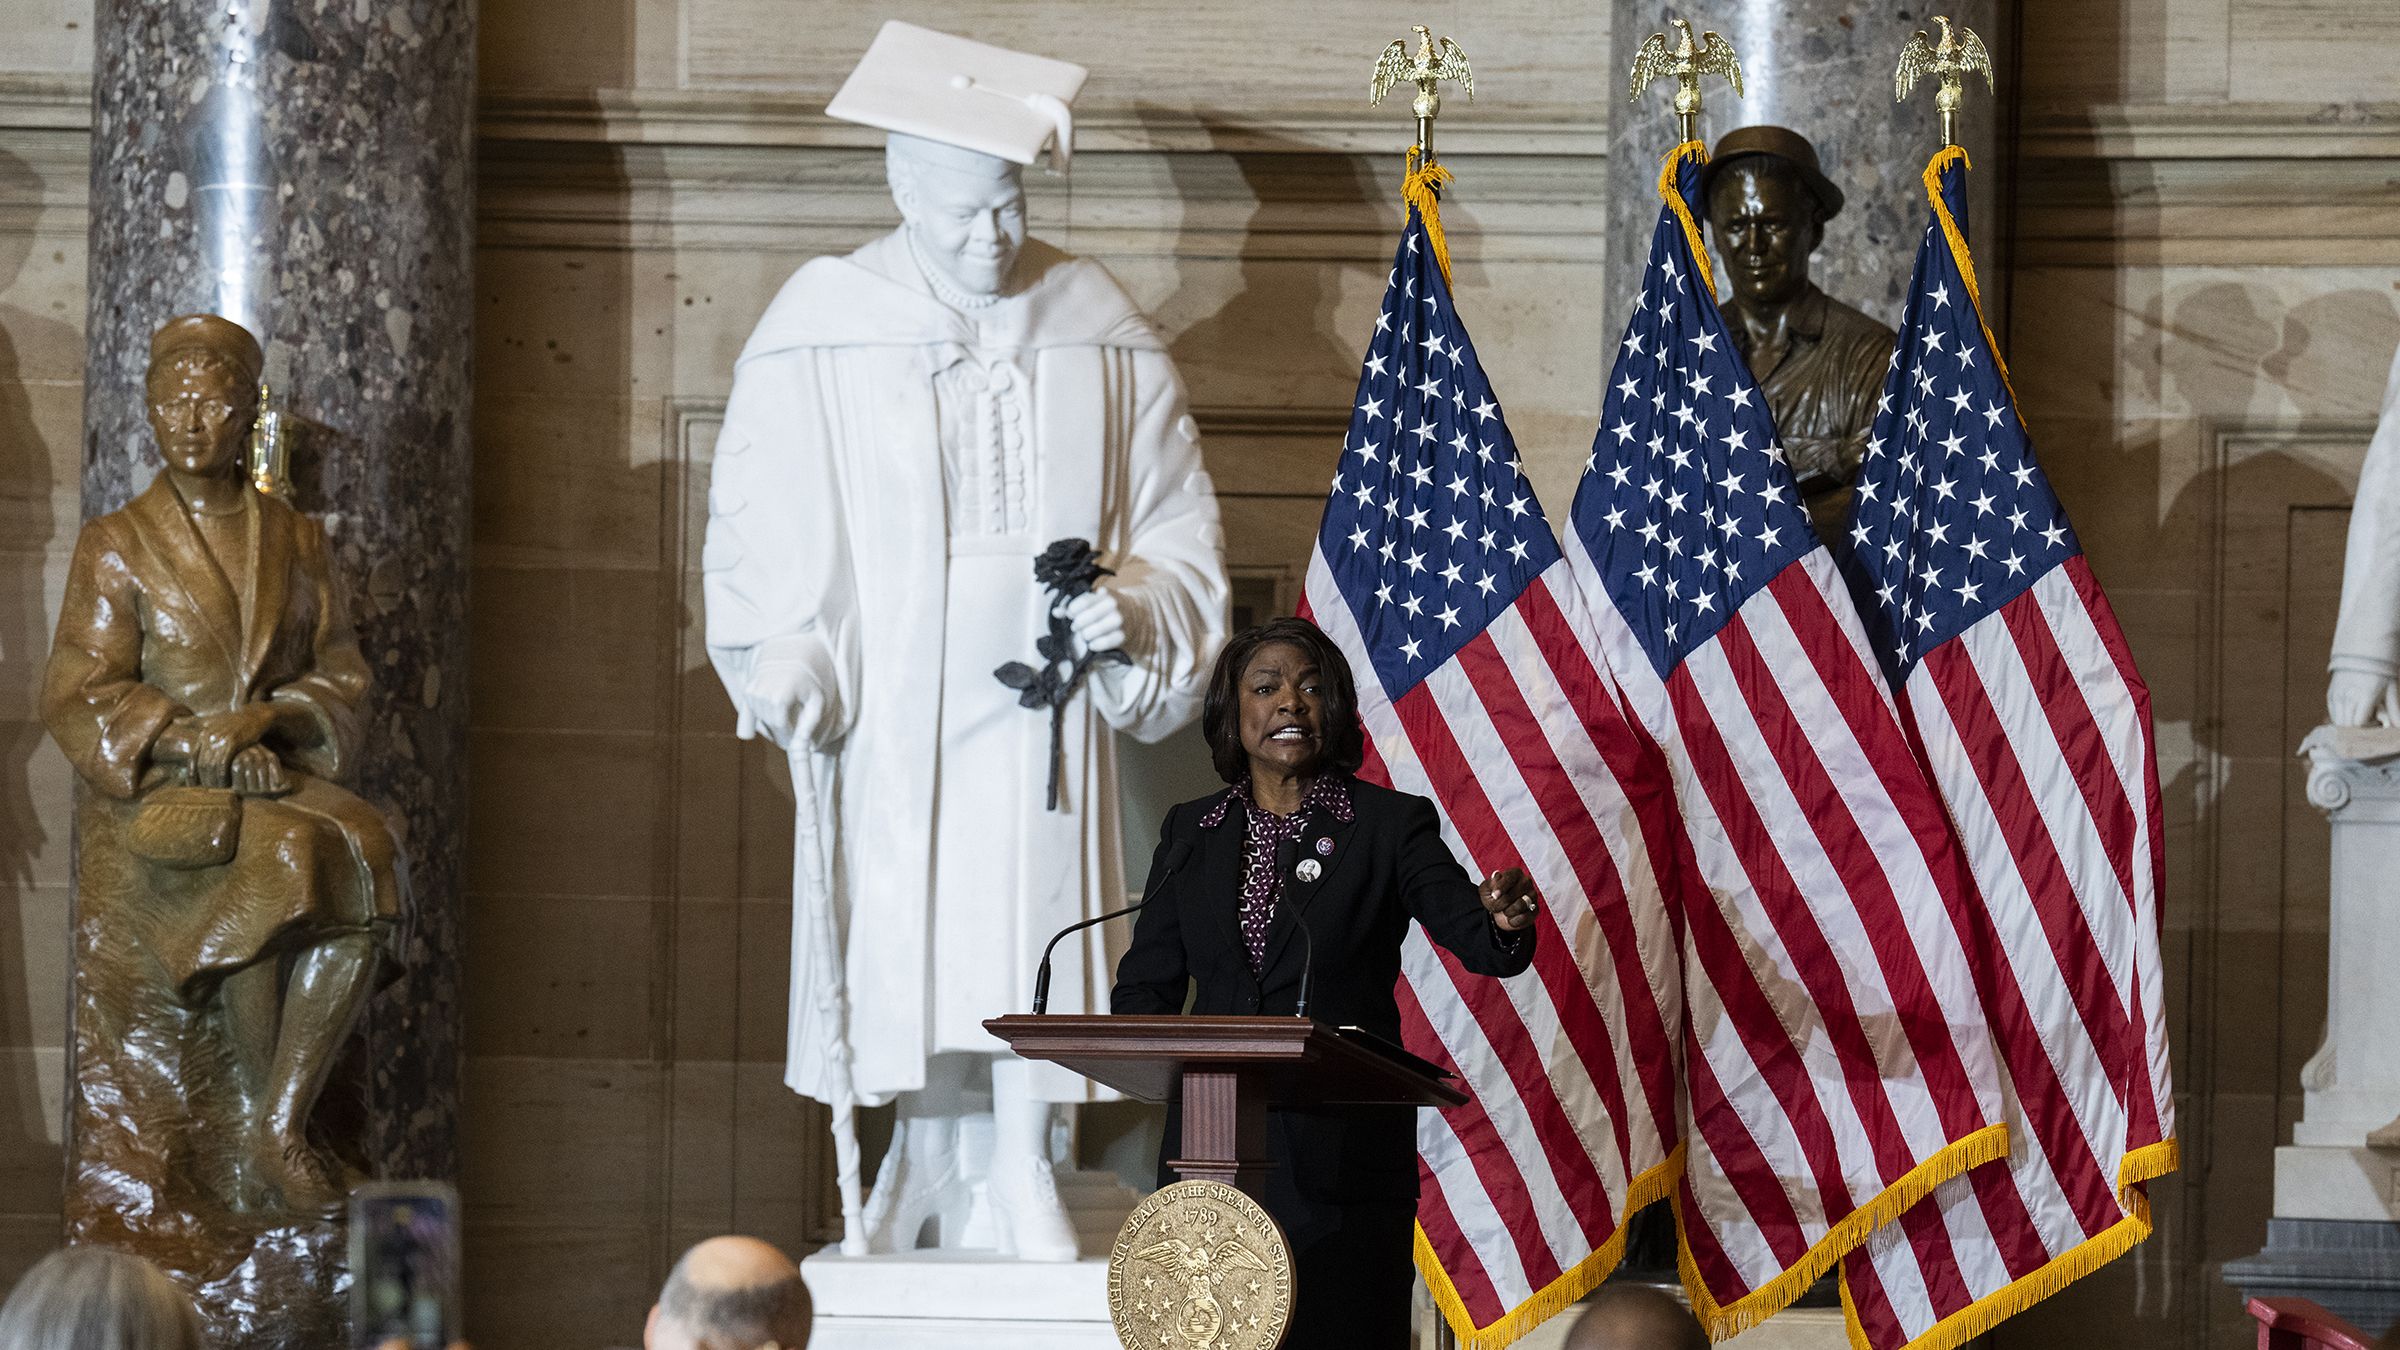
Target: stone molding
{"x": 48, "y": 101}
{"x": 2212, "y": 184}
{"x": 803, "y": 199}
{"x": 2187, "y": 131}
{"x": 2225, "y": 184}
{"x": 794, "y": 121}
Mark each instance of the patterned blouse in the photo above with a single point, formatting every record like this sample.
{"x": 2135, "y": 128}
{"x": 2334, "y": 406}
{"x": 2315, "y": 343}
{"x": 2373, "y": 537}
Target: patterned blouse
{"x": 1329, "y": 795}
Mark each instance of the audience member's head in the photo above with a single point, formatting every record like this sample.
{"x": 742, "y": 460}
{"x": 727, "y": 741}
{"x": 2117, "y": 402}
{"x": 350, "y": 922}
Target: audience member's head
{"x": 730, "y": 1293}
{"x": 96, "y": 1298}
{"x": 1636, "y": 1317}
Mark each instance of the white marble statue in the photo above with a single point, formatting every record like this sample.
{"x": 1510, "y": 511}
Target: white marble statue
{"x": 2366, "y": 638}
{"x": 909, "y": 427}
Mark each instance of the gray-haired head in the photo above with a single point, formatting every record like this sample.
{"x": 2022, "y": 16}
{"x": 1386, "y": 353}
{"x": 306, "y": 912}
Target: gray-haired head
{"x": 1636, "y": 1317}
{"x": 95, "y": 1298}
{"x": 731, "y": 1293}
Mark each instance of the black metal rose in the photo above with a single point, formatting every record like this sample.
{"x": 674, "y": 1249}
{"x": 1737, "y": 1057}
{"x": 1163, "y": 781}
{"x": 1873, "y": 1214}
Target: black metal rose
{"x": 1070, "y": 567}
{"x": 1067, "y": 569}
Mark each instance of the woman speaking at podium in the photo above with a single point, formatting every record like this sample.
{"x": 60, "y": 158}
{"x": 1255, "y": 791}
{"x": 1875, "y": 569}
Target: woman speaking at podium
{"x": 1297, "y": 882}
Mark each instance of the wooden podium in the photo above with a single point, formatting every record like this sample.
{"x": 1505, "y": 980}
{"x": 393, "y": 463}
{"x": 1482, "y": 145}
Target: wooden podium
{"x": 1232, "y": 1069}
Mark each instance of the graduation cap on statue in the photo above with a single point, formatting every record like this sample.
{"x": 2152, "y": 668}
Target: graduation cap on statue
{"x": 969, "y": 94}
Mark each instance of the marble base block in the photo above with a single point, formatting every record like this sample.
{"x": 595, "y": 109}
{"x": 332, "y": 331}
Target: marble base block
{"x": 2355, "y": 1185}
{"x": 947, "y": 1298}
{"x": 941, "y": 1300}
{"x": 2353, "y": 1269}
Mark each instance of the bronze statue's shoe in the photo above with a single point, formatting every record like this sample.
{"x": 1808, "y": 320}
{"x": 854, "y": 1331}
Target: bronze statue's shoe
{"x": 253, "y": 1192}
{"x": 306, "y": 1181}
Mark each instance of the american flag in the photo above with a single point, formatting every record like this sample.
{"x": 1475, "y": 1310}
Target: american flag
{"x": 1437, "y": 574}
{"x": 2016, "y": 682}
{"x": 1837, "y": 1066}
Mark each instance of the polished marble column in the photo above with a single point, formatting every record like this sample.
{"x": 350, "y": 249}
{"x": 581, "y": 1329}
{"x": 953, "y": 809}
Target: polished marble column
{"x": 307, "y": 170}
{"x": 1824, "y": 69}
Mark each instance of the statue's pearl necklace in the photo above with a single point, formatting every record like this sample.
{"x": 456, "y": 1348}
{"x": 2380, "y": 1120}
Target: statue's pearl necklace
{"x": 948, "y": 294}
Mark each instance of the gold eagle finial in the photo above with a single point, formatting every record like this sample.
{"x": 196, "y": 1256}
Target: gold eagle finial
{"x": 1437, "y": 59}
{"x": 1687, "y": 62}
{"x": 1957, "y": 55}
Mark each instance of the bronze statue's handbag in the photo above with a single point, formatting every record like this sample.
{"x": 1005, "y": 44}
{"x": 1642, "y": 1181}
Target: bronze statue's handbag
{"x": 187, "y": 827}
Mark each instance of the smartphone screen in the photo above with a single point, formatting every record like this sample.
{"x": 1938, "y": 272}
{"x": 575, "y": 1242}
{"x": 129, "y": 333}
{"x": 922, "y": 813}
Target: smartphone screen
{"x": 404, "y": 1265}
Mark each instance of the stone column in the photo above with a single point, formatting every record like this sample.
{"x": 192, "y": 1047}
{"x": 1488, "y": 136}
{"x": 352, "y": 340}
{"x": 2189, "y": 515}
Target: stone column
{"x": 1824, "y": 69}
{"x": 2335, "y": 1235}
{"x": 307, "y": 170}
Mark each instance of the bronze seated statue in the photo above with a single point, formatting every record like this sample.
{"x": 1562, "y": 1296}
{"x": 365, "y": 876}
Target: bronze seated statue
{"x": 232, "y": 900}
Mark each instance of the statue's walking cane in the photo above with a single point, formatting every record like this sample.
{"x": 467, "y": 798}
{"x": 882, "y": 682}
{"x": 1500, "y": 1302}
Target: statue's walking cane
{"x": 809, "y": 861}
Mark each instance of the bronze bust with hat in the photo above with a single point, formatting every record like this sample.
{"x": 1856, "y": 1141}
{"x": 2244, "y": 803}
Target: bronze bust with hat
{"x": 1820, "y": 362}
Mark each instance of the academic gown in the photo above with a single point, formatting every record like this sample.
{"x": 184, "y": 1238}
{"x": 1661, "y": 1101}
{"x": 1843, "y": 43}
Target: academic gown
{"x": 888, "y": 469}
{"x": 2366, "y": 636}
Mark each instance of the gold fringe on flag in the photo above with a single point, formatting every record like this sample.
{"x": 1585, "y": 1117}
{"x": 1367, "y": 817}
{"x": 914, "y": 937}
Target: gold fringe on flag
{"x": 1989, "y": 1144}
{"x": 1422, "y": 189}
{"x": 1668, "y": 193}
{"x": 1560, "y": 1294}
{"x": 2143, "y": 1164}
{"x": 1966, "y": 262}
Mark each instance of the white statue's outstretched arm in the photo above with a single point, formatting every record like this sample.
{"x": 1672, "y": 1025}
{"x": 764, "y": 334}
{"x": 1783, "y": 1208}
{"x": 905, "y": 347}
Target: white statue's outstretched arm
{"x": 775, "y": 571}
{"x": 1170, "y": 592}
{"x": 2366, "y": 638}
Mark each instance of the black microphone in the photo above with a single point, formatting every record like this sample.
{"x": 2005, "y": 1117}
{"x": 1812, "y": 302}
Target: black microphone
{"x": 1285, "y": 852}
{"x": 1177, "y": 856}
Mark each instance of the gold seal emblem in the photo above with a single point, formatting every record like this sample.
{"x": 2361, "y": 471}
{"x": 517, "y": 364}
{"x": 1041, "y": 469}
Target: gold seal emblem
{"x": 1199, "y": 1266}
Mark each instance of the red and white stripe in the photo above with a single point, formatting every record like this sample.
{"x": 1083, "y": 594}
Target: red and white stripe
{"x": 1837, "y": 1060}
{"x": 1520, "y": 743}
{"x": 2036, "y": 729}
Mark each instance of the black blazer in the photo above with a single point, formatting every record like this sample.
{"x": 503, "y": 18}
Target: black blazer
{"x": 1384, "y": 867}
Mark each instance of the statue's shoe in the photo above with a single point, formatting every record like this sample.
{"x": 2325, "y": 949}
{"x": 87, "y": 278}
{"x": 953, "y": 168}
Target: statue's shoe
{"x": 907, "y": 1192}
{"x": 1032, "y": 1224}
{"x": 301, "y": 1178}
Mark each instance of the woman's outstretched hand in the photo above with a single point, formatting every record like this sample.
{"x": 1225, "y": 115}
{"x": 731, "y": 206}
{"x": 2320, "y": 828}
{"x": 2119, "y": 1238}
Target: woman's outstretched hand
{"x": 1509, "y": 897}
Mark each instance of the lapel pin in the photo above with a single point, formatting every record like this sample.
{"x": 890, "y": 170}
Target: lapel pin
{"x": 1309, "y": 870}
{"x": 1325, "y": 848}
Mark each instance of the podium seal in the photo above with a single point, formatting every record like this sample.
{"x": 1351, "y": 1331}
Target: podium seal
{"x": 1199, "y": 1266}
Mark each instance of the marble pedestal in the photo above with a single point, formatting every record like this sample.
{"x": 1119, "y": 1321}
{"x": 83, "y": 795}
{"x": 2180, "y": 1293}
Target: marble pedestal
{"x": 940, "y": 1299}
{"x": 2335, "y": 1236}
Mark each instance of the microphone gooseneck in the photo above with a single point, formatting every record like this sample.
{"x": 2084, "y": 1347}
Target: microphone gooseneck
{"x": 1176, "y": 858}
{"x": 1285, "y": 853}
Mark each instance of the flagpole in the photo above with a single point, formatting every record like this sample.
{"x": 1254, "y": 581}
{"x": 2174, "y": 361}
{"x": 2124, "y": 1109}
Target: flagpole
{"x": 1436, "y": 60}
